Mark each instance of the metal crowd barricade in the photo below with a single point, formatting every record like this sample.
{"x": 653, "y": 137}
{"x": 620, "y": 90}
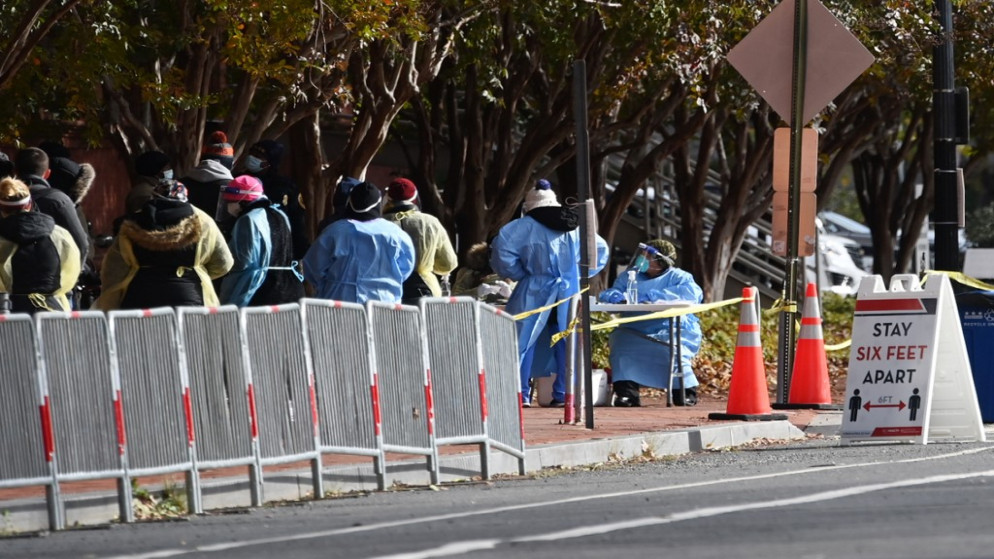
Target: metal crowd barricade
{"x": 221, "y": 391}
{"x": 284, "y": 388}
{"x": 26, "y": 444}
{"x": 85, "y": 396}
{"x": 155, "y": 396}
{"x": 338, "y": 347}
{"x": 505, "y": 425}
{"x": 458, "y": 379}
{"x": 401, "y": 363}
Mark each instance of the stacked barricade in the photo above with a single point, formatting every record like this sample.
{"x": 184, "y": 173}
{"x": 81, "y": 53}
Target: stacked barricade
{"x": 90, "y": 396}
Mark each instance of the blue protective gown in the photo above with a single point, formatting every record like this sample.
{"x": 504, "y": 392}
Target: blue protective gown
{"x": 636, "y": 359}
{"x": 545, "y": 264}
{"x": 251, "y": 246}
{"x": 359, "y": 261}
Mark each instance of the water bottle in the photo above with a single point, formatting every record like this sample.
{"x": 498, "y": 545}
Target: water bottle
{"x": 632, "y": 291}
{"x": 446, "y": 288}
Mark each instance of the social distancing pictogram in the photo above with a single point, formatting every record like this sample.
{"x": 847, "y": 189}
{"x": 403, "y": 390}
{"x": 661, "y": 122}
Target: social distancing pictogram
{"x": 909, "y": 374}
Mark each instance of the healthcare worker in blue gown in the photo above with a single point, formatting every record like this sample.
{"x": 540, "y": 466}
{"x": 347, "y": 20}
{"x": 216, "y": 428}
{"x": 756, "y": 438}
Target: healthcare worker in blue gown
{"x": 541, "y": 252}
{"x": 361, "y": 257}
{"x": 640, "y": 353}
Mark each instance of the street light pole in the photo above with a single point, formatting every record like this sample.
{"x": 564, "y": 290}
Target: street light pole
{"x": 946, "y": 212}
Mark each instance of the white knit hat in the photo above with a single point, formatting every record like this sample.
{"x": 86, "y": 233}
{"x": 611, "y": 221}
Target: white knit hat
{"x": 541, "y": 196}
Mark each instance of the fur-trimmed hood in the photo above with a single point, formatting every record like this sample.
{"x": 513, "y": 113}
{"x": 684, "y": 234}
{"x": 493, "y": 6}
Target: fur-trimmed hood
{"x": 74, "y": 179}
{"x": 182, "y": 234}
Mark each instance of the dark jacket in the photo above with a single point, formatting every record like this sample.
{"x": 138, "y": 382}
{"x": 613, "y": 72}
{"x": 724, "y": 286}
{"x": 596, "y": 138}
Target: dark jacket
{"x": 282, "y": 191}
{"x": 62, "y": 209}
{"x": 41, "y": 260}
{"x": 204, "y": 185}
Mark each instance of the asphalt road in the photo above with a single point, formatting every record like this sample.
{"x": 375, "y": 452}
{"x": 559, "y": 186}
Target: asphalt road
{"x": 805, "y": 500}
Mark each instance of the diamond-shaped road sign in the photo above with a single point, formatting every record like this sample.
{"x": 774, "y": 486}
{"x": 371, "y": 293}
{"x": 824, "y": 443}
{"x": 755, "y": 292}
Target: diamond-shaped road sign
{"x": 765, "y": 58}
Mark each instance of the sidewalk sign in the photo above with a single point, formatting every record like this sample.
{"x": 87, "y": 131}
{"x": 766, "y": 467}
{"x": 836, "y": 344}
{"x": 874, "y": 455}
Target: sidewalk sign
{"x": 909, "y": 374}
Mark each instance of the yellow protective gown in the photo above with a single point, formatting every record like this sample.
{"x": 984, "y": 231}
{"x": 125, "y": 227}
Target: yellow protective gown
{"x": 433, "y": 249}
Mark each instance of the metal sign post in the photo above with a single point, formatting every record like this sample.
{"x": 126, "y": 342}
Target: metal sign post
{"x": 582, "y": 193}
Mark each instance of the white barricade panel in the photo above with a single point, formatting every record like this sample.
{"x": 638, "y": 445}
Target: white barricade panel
{"x": 219, "y": 384}
{"x": 401, "y": 368}
{"x": 83, "y": 391}
{"x": 499, "y": 338}
{"x": 24, "y": 451}
{"x": 283, "y": 391}
{"x": 153, "y": 389}
{"x": 454, "y": 362}
{"x": 338, "y": 341}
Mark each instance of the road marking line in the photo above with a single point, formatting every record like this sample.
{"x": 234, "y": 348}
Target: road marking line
{"x": 166, "y": 553}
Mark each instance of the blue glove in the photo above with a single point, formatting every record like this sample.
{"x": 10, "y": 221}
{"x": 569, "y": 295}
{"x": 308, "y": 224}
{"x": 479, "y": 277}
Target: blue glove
{"x": 612, "y": 296}
{"x": 651, "y": 296}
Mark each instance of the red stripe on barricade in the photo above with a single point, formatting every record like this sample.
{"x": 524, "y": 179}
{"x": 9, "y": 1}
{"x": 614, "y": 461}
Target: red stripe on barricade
{"x": 314, "y": 405}
{"x": 212, "y": 310}
{"x": 253, "y": 418}
{"x": 274, "y": 308}
{"x": 75, "y": 314}
{"x": 483, "y": 395}
{"x": 47, "y": 433}
{"x": 146, "y": 313}
{"x": 430, "y": 401}
{"x": 569, "y": 411}
{"x": 374, "y": 391}
{"x": 119, "y": 421}
{"x": 188, "y": 411}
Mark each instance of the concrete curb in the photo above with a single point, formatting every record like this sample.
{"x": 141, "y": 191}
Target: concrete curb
{"x": 30, "y": 515}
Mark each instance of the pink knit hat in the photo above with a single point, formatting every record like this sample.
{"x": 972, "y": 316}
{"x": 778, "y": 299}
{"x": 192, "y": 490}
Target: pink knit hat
{"x": 243, "y": 188}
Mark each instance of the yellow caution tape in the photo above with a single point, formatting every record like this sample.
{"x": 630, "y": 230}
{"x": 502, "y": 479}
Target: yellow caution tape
{"x": 960, "y": 277}
{"x": 526, "y": 314}
{"x": 567, "y": 332}
{"x": 839, "y": 346}
{"x": 693, "y": 309}
{"x": 781, "y": 306}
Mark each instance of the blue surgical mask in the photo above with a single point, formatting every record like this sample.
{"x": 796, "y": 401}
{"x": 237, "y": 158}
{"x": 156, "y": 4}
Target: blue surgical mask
{"x": 167, "y": 174}
{"x": 253, "y": 164}
{"x": 641, "y": 264}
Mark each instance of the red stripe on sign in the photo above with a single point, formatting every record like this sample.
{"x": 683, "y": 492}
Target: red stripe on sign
{"x": 483, "y": 395}
{"x": 188, "y": 409}
{"x": 897, "y": 432}
{"x": 47, "y": 433}
{"x": 253, "y": 418}
{"x": 374, "y": 391}
{"x": 119, "y": 421}
{"x": 431, "y": 403}
{"x": 875, "y": 305}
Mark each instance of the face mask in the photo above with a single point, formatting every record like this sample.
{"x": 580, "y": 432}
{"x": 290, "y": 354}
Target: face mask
{"x": 167, "y": 174}
{"x": 235, "y": 208}
{"x": 253, "y": 164}
{"x": 641, "y": 264}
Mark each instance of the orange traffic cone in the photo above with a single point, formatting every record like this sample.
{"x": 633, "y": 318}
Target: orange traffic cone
{"x": 809, "y": 385}
{"x": 748, "y": 397}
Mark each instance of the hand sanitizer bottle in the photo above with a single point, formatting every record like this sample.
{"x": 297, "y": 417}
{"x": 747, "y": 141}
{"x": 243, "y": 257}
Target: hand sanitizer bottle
{"x": 632, "y": 291}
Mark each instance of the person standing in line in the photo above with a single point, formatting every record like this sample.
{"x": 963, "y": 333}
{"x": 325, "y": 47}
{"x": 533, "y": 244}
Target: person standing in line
{"x": 263, "y": 162}
{"x": 32, "y": 168}
{"x": 76, "y": 180}
{"x": 150, "y": 168}
{"x": 39, "y": 260}
{"x": 338, "y": 201}
{"x": 361, "y": 257}
{"x": 205, "y": 181}
{"x": 640, "y": 351}
{"x": 434, "y": 255}
{"x": 264, "y": 272}
{"x": 165, "y": 255}
{"x": 541, "y": 252}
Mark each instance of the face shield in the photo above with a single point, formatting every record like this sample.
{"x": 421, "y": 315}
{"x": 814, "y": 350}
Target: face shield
{"x": 644, "y": 254}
